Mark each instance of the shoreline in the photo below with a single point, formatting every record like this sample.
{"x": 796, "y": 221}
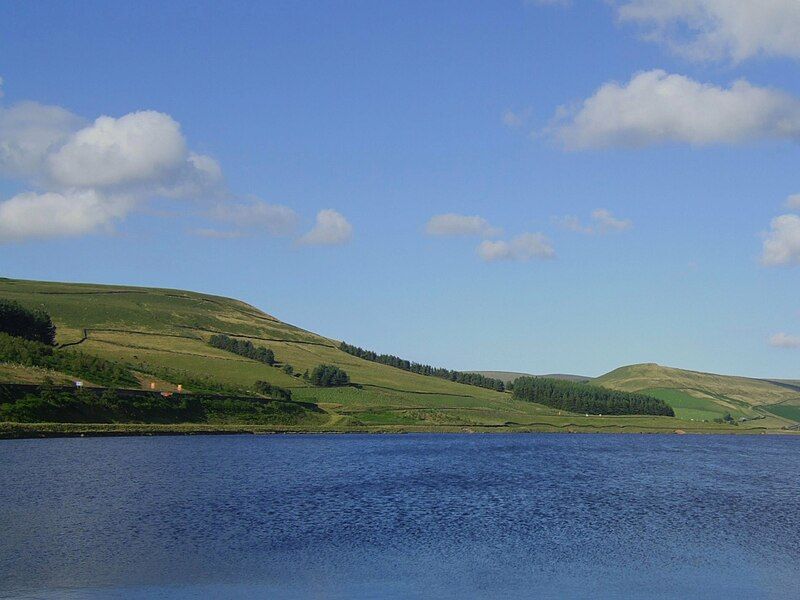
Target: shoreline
{"x": 10, "y": 430}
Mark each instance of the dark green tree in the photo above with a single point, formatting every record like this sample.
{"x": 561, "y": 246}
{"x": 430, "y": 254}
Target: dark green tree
{"x": 34, "y": 325}
{"x": 329, "y": 376}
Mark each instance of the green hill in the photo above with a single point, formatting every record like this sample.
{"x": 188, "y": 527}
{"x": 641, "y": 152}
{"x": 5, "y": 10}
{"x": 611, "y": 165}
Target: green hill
{"x": 696, "y": 395}
{"x": 162, "y": 336}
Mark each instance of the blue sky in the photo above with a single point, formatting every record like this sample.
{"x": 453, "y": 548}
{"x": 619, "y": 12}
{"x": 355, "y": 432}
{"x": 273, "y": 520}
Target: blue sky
{"x": 606, "y": 192}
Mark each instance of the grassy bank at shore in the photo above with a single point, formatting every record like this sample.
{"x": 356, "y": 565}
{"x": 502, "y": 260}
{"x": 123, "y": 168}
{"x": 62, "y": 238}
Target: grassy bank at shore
{"x": 555, "y": 425}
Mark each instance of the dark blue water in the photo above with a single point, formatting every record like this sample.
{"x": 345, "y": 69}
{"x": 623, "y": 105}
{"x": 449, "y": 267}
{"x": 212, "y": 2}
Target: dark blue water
{"x": 429, "y": 516}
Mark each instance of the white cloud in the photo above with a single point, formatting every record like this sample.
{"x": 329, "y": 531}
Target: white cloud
{"x": 199, "y": 177}
{"x": 719, "y": 29}
{"x": 657, "y": 107}
{"x": 793, "y": 202}
{"x": 1, "y": 88}
{"x": 522, "y": 248}
{"x": 29, "y": 132}
{"x": 454, "y": 224}
{"x": 140, "y": 147}
{"x": 32, "y": 215}
{"x": 602, "y": 222}
{"x": 88, "y": 177}
{"x": 784, "y": 340}
{"x": 606, "y": 222}
{"x": 782, "y": 242}
{"x": 257, "y": 215}
{"x": 331, "y": 228}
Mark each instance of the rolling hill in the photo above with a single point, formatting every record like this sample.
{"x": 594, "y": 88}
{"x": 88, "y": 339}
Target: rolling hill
{"x": 166, "y": 332}
{"x": 696, "y": 395}
{"x": 163, "y": 335}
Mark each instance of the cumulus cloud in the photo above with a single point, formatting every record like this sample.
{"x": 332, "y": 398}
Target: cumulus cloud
{"x": 29, "y": 133}
{"x": 258, "y": 215}
{"x": 521, "y": 248}
{"x": 793, "y": 202}
{"x": 54, "y": 214}
{"x": 88, "y": 176}
{"x": 782, "y": 242}
{"x": 719, "y": 29}
{"x": 330, "y": 229}
{"x": 454, "y": 224}
{"x": 603, "y": 221}
{"x": 657, "y": 107}
{"x": 784, "y": 340}
{"x": 140, "y": 147}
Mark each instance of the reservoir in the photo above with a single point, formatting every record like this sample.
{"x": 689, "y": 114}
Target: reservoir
{"x": 401, "y": 516}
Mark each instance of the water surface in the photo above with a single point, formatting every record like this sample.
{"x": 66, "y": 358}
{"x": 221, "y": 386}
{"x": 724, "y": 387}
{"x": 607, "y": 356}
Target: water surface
{"x": 406, "y": 516}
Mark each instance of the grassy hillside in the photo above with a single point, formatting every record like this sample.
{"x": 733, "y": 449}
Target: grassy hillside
{"x": 695, "y": 395}
{"x": 167, "y": 331}
{"x": 162, "y": 335}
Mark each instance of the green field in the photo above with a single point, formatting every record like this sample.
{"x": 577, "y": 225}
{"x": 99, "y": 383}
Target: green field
{"x": 163, "y": 336}
{"x": 787, "y": 411}
{"x": 692, "y": 408}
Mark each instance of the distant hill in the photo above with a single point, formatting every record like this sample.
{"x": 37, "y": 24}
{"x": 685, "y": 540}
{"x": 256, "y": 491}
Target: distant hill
{"x": 509, "y": 376}
{"x": 567, "y": 377}
{"x": 161, "y": 336}
{"x": 700, "y": 395}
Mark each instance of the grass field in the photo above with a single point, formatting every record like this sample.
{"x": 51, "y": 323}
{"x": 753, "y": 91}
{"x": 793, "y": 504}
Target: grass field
{"x": 787, "y": 411}
{"x": 153, "y": 329}
{"x": 692, "y": 408}
{"x": 553, "y": 424}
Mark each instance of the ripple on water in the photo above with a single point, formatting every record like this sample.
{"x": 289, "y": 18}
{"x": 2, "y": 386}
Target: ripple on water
{"x": 401, "y": 516}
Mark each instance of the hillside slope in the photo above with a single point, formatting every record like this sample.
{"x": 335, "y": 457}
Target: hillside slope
{"x": 154, "y": 330}
{"x": 705, "y": 395}
{"x": 163, "y": 335}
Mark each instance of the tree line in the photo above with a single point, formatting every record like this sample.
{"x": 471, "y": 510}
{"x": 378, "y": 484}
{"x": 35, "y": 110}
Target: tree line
{"x": 422, "y": 369}
{"x": 81, "y": 405}
{"x": 584, "y": 398}
{"x": 244, "y": 348}
{"x": 33, "y": 325}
